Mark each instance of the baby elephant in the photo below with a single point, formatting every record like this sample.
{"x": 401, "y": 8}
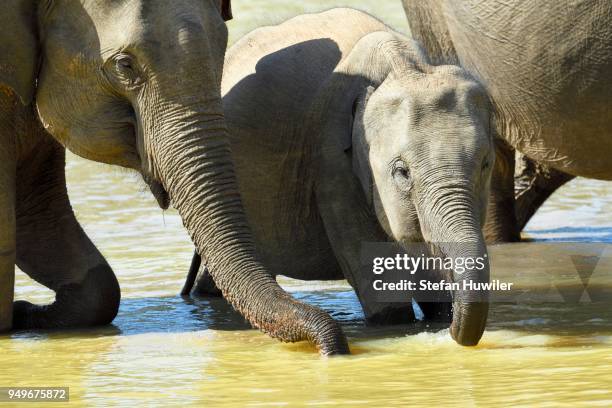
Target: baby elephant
{"x": 345, "y": 133}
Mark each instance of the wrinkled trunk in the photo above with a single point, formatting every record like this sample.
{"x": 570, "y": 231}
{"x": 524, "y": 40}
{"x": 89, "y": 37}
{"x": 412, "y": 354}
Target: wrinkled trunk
{"x": 188, "y": 151}
{"x": 470, "y": 307}
{"x": 450, "y": 222}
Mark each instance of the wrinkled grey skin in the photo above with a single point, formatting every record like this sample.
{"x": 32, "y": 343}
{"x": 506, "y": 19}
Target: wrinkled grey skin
{"x": 547, "y": 65}
{"x": 134, "y": 83}
{"x": 393, "y": 148}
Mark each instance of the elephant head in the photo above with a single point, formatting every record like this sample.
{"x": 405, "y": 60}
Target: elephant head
{"x": 421, "y": 151}
{"x": 136, "y": 83}
{"x": 423, "y": 155}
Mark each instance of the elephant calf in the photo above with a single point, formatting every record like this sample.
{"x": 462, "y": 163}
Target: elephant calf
{"x": 346, "y": 133}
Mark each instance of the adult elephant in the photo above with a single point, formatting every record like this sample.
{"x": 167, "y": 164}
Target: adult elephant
{"x": 547, "y": 65}
{"x": 342, "y": 137}
{"x": 134, "y": 83}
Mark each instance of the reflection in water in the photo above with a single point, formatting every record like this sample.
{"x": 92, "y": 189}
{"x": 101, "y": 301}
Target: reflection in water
{"x": 191, "y": 352}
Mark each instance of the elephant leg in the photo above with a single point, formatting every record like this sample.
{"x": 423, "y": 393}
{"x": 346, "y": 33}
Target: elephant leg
{"x": 389, "y": 314}
{"x": 533, "y": 185}
{"x": 205, "y": 286}
{"x": 196, "y": 262}
{"x": 7, "y": 215}
{"x": 345, "y": 240}
{"x": 501, "y": 225}
{"x": 199, "y": 282}
{"x": 53, "y": 249}
{"x": 437, "y": 311}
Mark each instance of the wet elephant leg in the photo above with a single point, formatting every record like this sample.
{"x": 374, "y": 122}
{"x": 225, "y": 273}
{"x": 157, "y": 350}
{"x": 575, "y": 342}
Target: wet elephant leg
{"x": 436, "y": 306}
{"x": 53, "y": 249}
{"x": 376, "y": 311}
{"x": 345, "y": 240}
{"x": 199, "y": 282}
{"x": 196, "y": 262}
{"x": 534, "y": 183}
{"x": 437, "y": 311}
{"x": 501, "y": 225}
{"x": 205, "y": 286}
{"x": 7, "y": 215}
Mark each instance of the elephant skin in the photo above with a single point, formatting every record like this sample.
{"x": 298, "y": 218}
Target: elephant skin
{"x": 133, "y": 83}
{"x": 547, "y": 65}
{"x": 344, "y": 134}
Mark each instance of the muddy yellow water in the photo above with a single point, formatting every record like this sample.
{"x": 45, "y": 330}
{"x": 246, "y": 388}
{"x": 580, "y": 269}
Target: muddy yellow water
{"x": 168, "y": 351}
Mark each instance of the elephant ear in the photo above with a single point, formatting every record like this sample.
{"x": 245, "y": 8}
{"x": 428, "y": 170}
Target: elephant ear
{"x": 355, "y": 141}
{"x": 18, "y": 48}
{"x": 225, "y": 7}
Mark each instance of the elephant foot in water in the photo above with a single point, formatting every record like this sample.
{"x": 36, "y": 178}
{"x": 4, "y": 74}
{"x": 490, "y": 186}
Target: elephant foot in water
{"x": 387, "y": 313}
{"x": 437, "y": 311}
{"x": 392, "y": 315}
{"x": 199, "y": 282}
{"x": 400, "y": 313}
{"x": 92, "y": 302}
{"x": 53, "y": 249}
{"x": 205, "y": 286}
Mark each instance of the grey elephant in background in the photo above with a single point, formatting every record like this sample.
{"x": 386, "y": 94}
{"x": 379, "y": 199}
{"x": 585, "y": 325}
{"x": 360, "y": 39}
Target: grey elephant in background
{"x": 137, "y": 84}
{"x": 547, "y": 65}
{"x": 347, "y": 133}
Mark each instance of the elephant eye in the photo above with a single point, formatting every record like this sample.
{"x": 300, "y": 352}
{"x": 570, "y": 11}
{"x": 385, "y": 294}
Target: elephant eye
{"x": 123, "y": 71}
{"x": 124, "y": 63}
{"x": 401, "y": 172}
{"x": 401, "y": 175}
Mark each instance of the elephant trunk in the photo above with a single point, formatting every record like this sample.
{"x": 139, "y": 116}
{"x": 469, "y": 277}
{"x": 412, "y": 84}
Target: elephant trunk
{"x": 470, "y": 306}
{"x": 188, "y": 152}
{"x": 450, "y": 222}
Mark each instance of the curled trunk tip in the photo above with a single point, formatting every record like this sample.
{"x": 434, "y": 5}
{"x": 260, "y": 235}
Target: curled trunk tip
{"x": 469, "y": 322}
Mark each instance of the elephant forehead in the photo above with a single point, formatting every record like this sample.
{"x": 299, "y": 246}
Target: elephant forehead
{"x": 448, "y": 88}
{"x": 444, "y": 88}
{"x": 77, "y": 36}
{"x": 437, "y": 137}
{"x": 93, "y": 28}
{"x": 399, "y": 121}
